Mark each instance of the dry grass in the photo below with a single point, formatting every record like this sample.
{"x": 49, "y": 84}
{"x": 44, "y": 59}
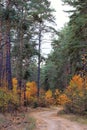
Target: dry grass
{"x": 73, "y": 117}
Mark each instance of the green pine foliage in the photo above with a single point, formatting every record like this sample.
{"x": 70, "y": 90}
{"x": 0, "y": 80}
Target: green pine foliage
{"x": 70, "y": 45}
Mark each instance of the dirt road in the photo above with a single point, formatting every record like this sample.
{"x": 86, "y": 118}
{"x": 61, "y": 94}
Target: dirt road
{"x": 49, "y": 120}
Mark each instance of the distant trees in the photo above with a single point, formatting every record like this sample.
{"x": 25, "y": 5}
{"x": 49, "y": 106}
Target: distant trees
{"x": 69, "y": 54}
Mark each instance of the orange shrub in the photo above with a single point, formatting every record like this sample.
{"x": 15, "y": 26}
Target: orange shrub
{"x": 63, "y": 99}
{"x": 77, "y": 81}
{"x": 77, "y": 94}
{"x": 8, "y": 97}
{"x": 15, "y": 84}
{"x": 14, "y": 81}
{"x": 56, "y": 96}
{"x": 48, "y": 94}
{"x": 31, "y": 89}
{"x": 49, "y": 97}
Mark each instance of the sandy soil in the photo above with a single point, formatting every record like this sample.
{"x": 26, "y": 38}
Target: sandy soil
{"x": 49, "y": 120}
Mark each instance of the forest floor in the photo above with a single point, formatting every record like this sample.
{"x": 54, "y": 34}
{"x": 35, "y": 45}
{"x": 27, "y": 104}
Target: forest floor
{"x": 45, "y": 119}
{"x": 19, "y": 120}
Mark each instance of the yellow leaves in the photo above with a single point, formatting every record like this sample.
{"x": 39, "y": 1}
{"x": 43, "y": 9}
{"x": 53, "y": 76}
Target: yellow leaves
{"x": 28, "y": 84}
{"x": 77, "y": 81}
{"x": 49, "y": 97}
{"x": 63, "y": 99}
{"x": 15, "y": 83}
{"x": 48, "y": 94}
{"x": 76, "y": 86}
{"x": 28, "y": 94}
{"x": 6, "y": 97}
{"x": 77, "y": 94}
{"x": 17, "y": 96}
{"x": 14, "y": 98}
{"x": 31, "y": 89}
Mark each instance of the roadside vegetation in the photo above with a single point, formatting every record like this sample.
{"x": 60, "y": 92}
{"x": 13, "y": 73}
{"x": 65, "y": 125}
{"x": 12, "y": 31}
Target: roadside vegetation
{"x": 28, "y": 79}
